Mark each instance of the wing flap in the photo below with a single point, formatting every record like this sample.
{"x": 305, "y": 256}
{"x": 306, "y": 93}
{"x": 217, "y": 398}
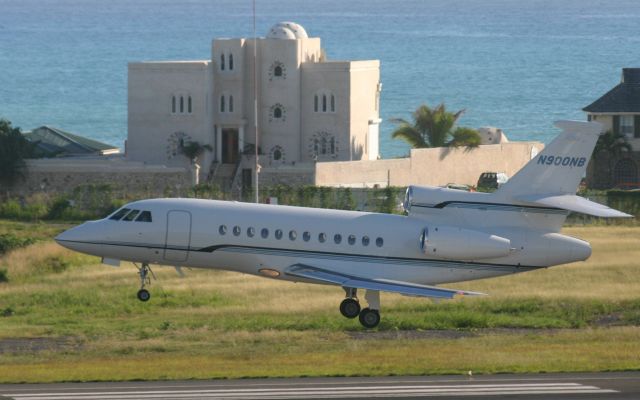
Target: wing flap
{"x": 405, "y": 288}
{"x": 574, "y": 203}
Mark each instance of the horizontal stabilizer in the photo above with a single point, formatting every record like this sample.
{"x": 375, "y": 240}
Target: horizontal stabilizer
{"x": 573, "y": 203}
{"x": 410, "y": 289}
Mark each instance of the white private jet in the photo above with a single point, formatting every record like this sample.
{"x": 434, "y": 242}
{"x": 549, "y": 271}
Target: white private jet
{"x": 447, "y": 235}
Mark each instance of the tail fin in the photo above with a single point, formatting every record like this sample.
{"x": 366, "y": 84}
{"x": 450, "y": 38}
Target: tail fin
{"x": 551, "y": 179}
{"x": 560, "y": 166}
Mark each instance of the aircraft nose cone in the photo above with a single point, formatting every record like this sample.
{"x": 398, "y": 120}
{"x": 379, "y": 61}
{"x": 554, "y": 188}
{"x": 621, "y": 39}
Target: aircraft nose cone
{"x": 68, "y": 237}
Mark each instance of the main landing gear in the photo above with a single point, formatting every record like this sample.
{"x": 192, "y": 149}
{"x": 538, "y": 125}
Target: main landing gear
{"x": 350, "y": 307}
{"x": 145, "y": 279}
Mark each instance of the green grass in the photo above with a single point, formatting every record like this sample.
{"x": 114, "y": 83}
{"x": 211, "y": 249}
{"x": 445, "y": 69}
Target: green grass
{"x": 213, "y": 324}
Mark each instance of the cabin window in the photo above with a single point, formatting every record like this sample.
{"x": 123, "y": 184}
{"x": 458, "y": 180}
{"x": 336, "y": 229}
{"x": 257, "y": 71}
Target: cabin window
{"x": 144, "y": 216}
{"x": 379, "y": 242}
{"x": 365, "y": 240}
{"x": 337, "y": 238}
{"x": 236, "y": 230}
{"x": 306, "y": 236}
{"x": 352, "y": 239}
{"x": 222, "y": 230}
{"x": 120, "y": 213}
{"x": 251, "y": 231}
{"x": 131, "y": 216}
{"x": 322, "y": 237}
{"x": 264, "y": 233}
{"x": 278, "y": 234}
{"x": 292, "y": 235}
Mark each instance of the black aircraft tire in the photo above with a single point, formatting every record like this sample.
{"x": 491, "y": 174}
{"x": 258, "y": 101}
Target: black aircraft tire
{"x": 350, "y": 308}
{"x": 369, "y": 318}
{"x": 144, "y": 295}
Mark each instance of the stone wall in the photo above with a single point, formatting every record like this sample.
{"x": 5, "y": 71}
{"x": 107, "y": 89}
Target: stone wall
{"x": 436, "y": 167}
{"x": 298, "y": 175}
{"x": 62, "y": 175}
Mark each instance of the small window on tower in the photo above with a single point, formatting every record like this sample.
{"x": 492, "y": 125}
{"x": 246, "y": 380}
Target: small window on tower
{"x": 222, "y": 62}
{"x": 277, "y": 71}
{"x": 189, "y": 105}
{"x": 230, "y": 62}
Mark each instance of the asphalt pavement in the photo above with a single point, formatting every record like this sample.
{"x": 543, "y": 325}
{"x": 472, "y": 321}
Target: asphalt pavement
{"x": 617, "y": 386}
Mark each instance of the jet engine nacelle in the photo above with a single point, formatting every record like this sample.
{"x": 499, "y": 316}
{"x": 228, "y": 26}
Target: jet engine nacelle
{"x": 462, "y": 244}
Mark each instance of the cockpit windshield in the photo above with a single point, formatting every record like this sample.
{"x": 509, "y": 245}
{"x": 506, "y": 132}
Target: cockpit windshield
{"x": 127, "y": 214}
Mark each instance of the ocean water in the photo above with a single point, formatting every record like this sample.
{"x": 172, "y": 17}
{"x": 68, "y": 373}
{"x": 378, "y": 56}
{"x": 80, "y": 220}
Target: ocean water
{"x": 518, "y": 65}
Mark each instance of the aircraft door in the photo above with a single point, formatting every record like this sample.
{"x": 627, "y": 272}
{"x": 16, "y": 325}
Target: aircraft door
{"x": 178, "y": 238}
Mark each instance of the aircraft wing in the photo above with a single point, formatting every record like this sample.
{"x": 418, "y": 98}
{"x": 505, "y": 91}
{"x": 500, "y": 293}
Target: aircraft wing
{"x": 409, "y": 289}
{"x": 574, "y": 203}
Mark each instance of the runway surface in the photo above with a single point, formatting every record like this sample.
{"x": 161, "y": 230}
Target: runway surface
{"x": 542, "y": 386}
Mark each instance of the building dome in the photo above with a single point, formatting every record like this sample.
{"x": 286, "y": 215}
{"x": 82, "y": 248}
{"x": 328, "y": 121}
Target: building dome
{"x": 287, "y": 30}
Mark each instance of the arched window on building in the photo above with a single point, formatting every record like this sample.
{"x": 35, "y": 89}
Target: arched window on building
{"x": 324, "y": 103}
{"x": 277, "y": 71}
{"x": 230, "y": 62}
{"x": 221, "y": 62}
{"x": 173, "y": 104}
{"x": 230, "y": 103}
{"x": 323, "y": 145}
{"x": 181, "y": 104}
{"x": 332, "y": 145}
{"x": 333, "y": 103}
{"x": 625, "y": 172}
{"x": 315, "y": 103}
{"x": 277, "y": 112}
{"x": 222, "y": 103}
{"x": 189, "y": 105}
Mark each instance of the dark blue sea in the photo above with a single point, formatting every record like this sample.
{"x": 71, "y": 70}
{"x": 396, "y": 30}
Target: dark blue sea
{"x": 515, "y": 64}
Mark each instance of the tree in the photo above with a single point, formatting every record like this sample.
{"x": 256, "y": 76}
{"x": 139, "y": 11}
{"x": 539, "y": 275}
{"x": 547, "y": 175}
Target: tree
{"x": 611, "y": 145}
{"x": 435, "y": 128}
{"x": 14, "y": 148}
{"x": 193, "y": 150}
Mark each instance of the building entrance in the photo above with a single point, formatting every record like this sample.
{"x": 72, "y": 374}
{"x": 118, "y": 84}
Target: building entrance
{"x": 230, "y": 145}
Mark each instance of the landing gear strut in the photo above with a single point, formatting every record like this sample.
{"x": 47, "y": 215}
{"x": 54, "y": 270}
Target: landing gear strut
{"x": 350, "y": 307}
{"x": 145, "y": 279}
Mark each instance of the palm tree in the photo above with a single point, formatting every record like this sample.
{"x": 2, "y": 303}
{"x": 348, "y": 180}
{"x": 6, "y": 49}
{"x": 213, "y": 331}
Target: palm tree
{"x": 435, "y": 128}
{"x": 193, "y": 150}
{"x": 611, "y": 145}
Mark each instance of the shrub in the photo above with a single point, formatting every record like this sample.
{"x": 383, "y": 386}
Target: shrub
{"x": 9, "y": 241}
{"x": 4, "y": 277}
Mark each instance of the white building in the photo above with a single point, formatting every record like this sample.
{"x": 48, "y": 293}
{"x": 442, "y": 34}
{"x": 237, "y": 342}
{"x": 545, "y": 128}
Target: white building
{"x": 309, "y": 109}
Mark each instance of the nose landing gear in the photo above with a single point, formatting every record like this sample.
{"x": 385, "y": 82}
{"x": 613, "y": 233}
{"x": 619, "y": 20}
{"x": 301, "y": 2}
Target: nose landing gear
{"x": 145, "y": 279}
